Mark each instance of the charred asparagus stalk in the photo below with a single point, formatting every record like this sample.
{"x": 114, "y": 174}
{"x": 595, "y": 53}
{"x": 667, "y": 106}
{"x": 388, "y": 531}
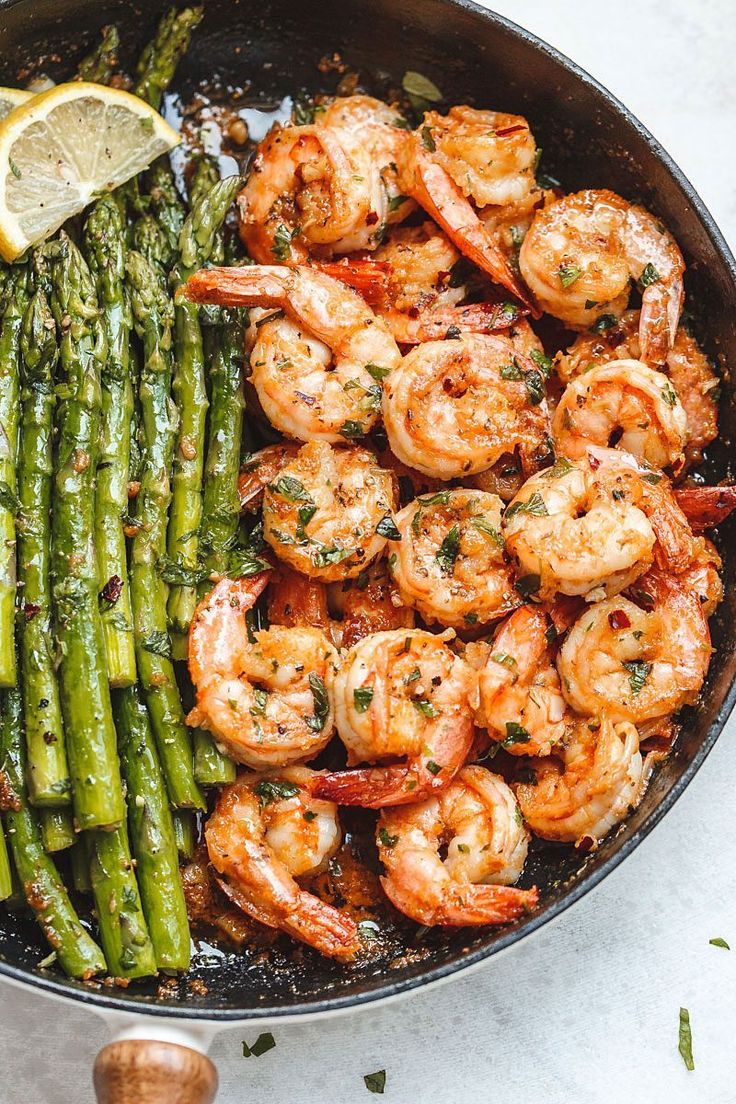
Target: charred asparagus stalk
{"x": 152, "y": 315}
{"x": 78, "y": 954}
{"x": 104, "y": 239}
{"x": 197, "y": 239}
{"x": 101, "y": 63}
{"x": 15, "y": 298}
{"x": 85, "y": 696}
{"x": 152, "y": 834}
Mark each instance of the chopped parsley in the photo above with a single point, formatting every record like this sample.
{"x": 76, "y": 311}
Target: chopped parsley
{"x": 352, "y": 429}
{"x": 649, "y": 276}
{"x": 718, "y": 942}
{"x": 535, "y": 506}
{"x": 268, "y": 791}
{"x": 282, "y": 239}
{"x": 263, "y": 1043}
{"x": 291, "y": 489}
{"x": 321, "y": 703}
{"x": 515, "y": 734}
{"x": 425, "y": 707}
{"x": 375, "y": 1082}
{"x": 377, "y": 372}
{"x": 448, "y": 551}
{"x": 560, "y": 467}
{"x": 362, "y": 698}
{"x": 685, "y": 1045}
{"x": 387, "y": 528}
{"x": 568, "y": 274}
{"x": 432, "y": 767}
{"x": 483, "y": 525}
{"x": 386, "y": 839}
{"x": 528, "y": 585}
{"x": 602, "y": 323}
{"x": 638, "y": 674}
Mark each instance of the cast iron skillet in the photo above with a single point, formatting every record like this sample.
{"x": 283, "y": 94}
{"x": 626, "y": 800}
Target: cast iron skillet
{"x": 589, "y": 140}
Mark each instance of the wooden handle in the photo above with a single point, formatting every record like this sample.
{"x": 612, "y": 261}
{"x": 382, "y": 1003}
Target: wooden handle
{"x": 145, "y": 1071}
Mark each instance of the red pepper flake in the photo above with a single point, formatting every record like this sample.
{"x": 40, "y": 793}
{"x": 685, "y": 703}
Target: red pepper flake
{"x": 617, "y": 619}
{"x": 447, "y": 385}
{"x": 30, "y": 609}
{"x": 371, "y": 218}
{"x": 505, "y": 131}
{"x": 594, "y": 462}
{"x": 112, "y": 590}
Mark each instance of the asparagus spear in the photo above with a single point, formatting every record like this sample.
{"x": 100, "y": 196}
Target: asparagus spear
{"x": 16, "y": 297}
{"x": 44, "y": 890}
{"x": 168, "y": 209}
{"x": 57, "y": 829}
{"x": 102, "y": 61}
{"x": 161, "y": 56}
{"x": 123, "y": 932}
{"x": 6, "y": 871}
{"x": 221, "y": 507}
{"x": 48, "y": 771}
{"x": 85, "y": 696}
{"x": 79, "y": 862}
{"x": 196, "y": 242}
{"x": 152, "y": 834}
{"x": 104, "y": 234}
{"x": 184, "y": 833}
{"x": 152, "y": 317}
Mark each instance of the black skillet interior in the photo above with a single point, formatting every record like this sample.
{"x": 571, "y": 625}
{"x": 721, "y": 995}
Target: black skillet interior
{"x": 272, "y": 47}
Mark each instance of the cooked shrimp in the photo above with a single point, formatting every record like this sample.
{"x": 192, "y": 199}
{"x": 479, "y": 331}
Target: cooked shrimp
{"x": 431, "y": 185}
{"x": 295, "y": 600}
{"x": 428, "y": 282}
{"x": 690, "y": 372}
{"x": 317, "y": 367}
{"x": 266, "y": 696}
{"x": 346, "y": 612}
{"x": 580, "y": 795}
{"x": 259, "y": 470}
{"x": 582, "y": 252}
{"x": 371, "y": 603}
{"x": 623, "y": 403}
{"x": 577, "y": 528}
{"x": 477, "y": 820}
{"x": 311, "y": 188}
{"x": 379, "y": 129}
{"x": 521, "y": 703}
{"x": 265, "y": 831}
{"x": 637, "y": 664}
{"x": 401, "y": 695}
{"x": 326, "y": 513}
{"x": 453, "y": 408}
{"x": 703, "y": 577}
{"x": 449, "y": 563}
{"x": 490, "y": 156}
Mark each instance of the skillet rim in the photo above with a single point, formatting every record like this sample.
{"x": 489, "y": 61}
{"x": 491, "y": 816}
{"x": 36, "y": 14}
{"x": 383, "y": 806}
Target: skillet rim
{"x": 133, "y": 1006}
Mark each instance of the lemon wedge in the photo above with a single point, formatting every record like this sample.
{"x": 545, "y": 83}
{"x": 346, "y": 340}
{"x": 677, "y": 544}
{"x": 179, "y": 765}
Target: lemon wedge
{"x": 60, "y": 149}
{"x": 10, "y": 98}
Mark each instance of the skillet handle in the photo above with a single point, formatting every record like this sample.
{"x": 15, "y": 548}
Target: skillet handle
{"x": 148, "y": 1071}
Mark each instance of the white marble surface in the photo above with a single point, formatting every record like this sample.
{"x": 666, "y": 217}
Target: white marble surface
{"x": 588, "y": 1010}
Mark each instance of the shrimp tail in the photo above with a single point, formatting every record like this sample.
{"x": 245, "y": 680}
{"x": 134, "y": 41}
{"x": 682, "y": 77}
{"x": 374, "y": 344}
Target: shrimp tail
{"x": 434, "y": 325}
{"x": 210, "y": 640}
{"x": 374, "y": 787}
{"x": 323, "y": 927}
{"x": 250, "y": 286}
{"x": 706, "y": 507}
{"x": 457, "y": 218}
{"x": 465, "y": 905}
{"x": 370, "y": 278}
{"x": 661, "y": 306}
